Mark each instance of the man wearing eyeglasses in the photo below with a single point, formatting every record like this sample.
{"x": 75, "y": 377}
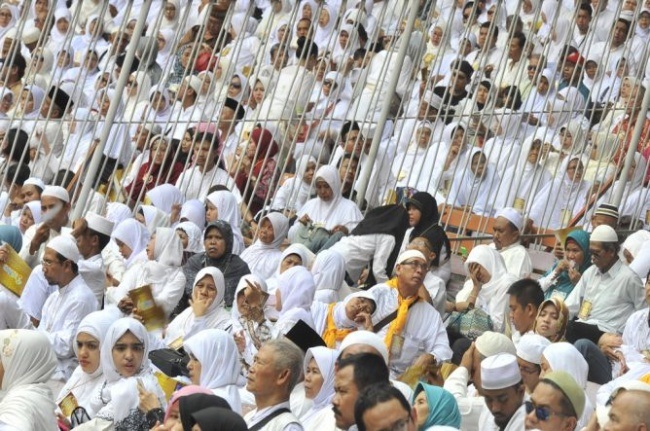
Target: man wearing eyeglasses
{"x": 556, "y": 404}
{"x": 410, "y": 326}
{"x": 503, "y": 391}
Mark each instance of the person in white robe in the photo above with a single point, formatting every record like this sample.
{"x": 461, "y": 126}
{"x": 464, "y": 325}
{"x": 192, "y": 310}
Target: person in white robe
{"x": 264, "y": 255}
{"x": 335, "y": 321}
{"x": 243, "y": 48}
{"x": 294, "y": 298}
{"x": 218, "y": 367}
{"x": 506, "y": 230}
{"x": 401, "y": 295}
{"x": 88, "y": 377}
{"x": 565, "y": 357}
{"x": 295, "y": 191}
{"x": 11, "y": 315}
{"x": 475, "y": 185}
{"x": 329, "y": 275}
{"x": 501, "y": 379}
{"x": 162, "y": 272}
{"x": 28, "y": 361}
{"x": 295, "y": 254}
{"x": 223, "y": 205}
{"x": 319, "y": 367}
{"x": 131, "y": 238}
{"x": 206, "y": 310}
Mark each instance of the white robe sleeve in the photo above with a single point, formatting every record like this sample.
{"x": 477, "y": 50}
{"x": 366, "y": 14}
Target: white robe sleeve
{"x": 11, "y": 316}
{"x": 171, "y": 293}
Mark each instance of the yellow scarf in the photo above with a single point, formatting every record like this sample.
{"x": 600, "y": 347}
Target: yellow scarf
{"x": 397, "y": 325}
{"x": 332, "y": 334}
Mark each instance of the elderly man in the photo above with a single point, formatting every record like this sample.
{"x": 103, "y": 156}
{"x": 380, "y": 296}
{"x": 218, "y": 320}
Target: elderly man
{"x": 630, "y": 408}
{"x": 382, "y": 407}
{"x": 606, "y": 214}
{"x": 471, "y": 405}
{"x": 354, "y": 374}
{"x": 556, "y": 404}
{"x": 410, "y": 326}
{"x": 71, "y": 301}
{"x": 603, "y": 300}
{"x": 506, "y": 231}
{"x": 276, "y": 370}
{"x": 503, "y": 391}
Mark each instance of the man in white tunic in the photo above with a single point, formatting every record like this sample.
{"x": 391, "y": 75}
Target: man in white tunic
{"x": 504, "y": 392}
{"x": 410, "y": 326}
{"x": 55, "y": 209}
{"x": 525, "y": 297}
{"x": 276, "y": 369}
{"x": 506, "y": 231}
{"x": 64, "y": 308}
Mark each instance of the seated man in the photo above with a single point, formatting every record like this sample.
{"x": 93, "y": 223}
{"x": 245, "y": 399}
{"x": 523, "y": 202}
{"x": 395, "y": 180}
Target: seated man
{"x": 525, "y": 298}
{"x": 504, "y": 391}
{"x": 383, "y": 407}
{"x": 556, "y": 404}
{"x": 506, "y": 231}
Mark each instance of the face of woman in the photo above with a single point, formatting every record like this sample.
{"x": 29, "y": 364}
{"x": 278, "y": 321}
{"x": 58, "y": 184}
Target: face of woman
{"x": 281, "y": 33}
{"x": 26, "y": 219}
{"x": 323, "y": 190}
{"x": 159, "y": 150}
{"x": 422, "y": 408}
{"x": 186, "y": 56}
{"x": 324, "y": 18}
{"x": 358, "y": 305}
{"x": 206, "y": 288}
{"x": 306, "y": 11}
{"x": 414, "y": 215}
{"x": 174, "y": 417}
{"x": 574, "y": 253}
{"x": 88, "y": 352}
{"x": 483, "y": 275}
{"x": 313, "y": 380}
{"x": 26, "y": 101}
{"x": 343, "y": 39}
{"x": 308, "y": 176}
{"x": 170, "y": 11}
{"x": 183, "y": 236}
{"x": 235, "y": 86}
{"x": 151, "y": 247}
{"x": 5, "y": 17}
{"x": 482, "y": 94}
{"x": 132, "y": 86}
{"x": 194, "y": 367}
{"x": 258, "y": 92}
{"x": 479, "y": 163}
{"x": 436, "y": 36}
{"x": 128, "y": 354}
{"x": 542, "y": 85}
{"x": 289, "y": 262}
{"x": 424, "y": 136}
{"x": 211, "y": 212}
{"x": 575, "y": 170}
{"x": 124, "y": 249}
{"x": 265, "y": 232}
{"x": 533, "y": 153}
{"x": 548, "y": 322}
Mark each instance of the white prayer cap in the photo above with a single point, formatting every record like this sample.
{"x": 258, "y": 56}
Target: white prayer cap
{"x": 99, "y": 224}
{"x": 66, "y": 246}
{"x": 31, "y": 35}
{"x": 493, "y": 343}
{"x": 513, "y": 216}
{"x": 636, "y": 385}
{"x": 365, "y": 337}
{"x": 604, "y": 233}
{"x": 195, "y": 83}
{"x": 432, "y": 99}
{"x": 34, "y": 181}
{"x": 410, "y": 254}
{"x": 531, "y": 347}
{"x": 500, "y": 372}
{"x": 56, "y": 192}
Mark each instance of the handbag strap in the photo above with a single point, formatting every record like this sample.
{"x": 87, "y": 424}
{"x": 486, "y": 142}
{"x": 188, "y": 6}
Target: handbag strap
{"x": 258, "y": 426}
{"x": 388, "y": 319}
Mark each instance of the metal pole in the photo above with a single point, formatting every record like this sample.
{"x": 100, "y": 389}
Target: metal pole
{"x": 629, "y": 157}
{"x": 112, "y": 111}
{"x": 376, "y": 139}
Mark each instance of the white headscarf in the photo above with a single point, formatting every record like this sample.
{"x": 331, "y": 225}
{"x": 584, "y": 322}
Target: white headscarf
{"x": 297, "y": 288}
{"x": 194, "y": 235}
{"x": 298, "y": 190}
{"x": 217, "y": 353}
{"x": 132, "y": 233}
{"x": 326, "y": 361}
{"x": 165, "y": 196}
{"x": 478, "y": 192}
{"x": 118, "y": 397}
{"x": 324, "y": 35}
{"x": 154, "y": 218}
{"x": 28, "y": 361}
{"x": 229, "y": 212}
{"x": 329, "y": 273}
{"x": 263, "y": 259}
{"x": 215, "y": 317}
{"x": 15, "y": 15}
{"x": 194, "y": 211}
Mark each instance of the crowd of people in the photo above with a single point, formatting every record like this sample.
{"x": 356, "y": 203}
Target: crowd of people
{"x": 226, "y": 215}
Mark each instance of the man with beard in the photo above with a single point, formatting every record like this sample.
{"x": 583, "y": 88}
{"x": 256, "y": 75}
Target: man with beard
{"x": 504, "y": 391}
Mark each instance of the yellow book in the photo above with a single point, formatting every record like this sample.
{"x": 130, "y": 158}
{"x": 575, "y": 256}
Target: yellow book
{"x": 14, "y": 272}
{"x": 153, "y": 315}
{"x": 168, "y": 384}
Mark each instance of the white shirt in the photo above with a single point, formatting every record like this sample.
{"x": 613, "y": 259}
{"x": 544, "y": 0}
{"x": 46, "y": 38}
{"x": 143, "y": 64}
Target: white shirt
{"x": 423, "y": 332}
{"x": 11, "y": 316}
{"x": 258, "y": 415}
{"x": 517, "y": 260}
{"x": 471, "y": 405}
{"x": 94, "y": 274}
{"x": 195, "y": 184}
{"x": 516, "y": 423}
{"x": 62, "y": 313}
{"x": 614, "y": 296}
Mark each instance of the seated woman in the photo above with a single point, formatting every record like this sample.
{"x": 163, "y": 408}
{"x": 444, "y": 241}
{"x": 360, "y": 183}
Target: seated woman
{"x": 329, "y": 275}
{"x": 552, "y": 319}
{"x": 264, "y": 255}
{"x": 336, "y": 320}
{"x": 475, "y": 188}
{"x": 319, "y": 367}
{"x": 162, "y": 272}
{"x": 87, "y": 378}
{"x": 487, "y": 285}
{"x": 294, "y": 255}
{"x": 565, "y": 357}
{"x": 131, "y": 238}
{"x": 162, "y": 167}
{"x": 126, "y": 366}
{"x": 29, "y": 215}
{"x": 222, "y": 205}
{"x": 329, "y": 210}
{"x": 435, "y": 408}
{"x": 218, "y": 243}
{"x": 27, "y": 361}
{"x": 206, "y": 310}
{"x": 251, "y": 326}
{"x": 564, "y": 275}
{"x": 294, "y": 192}
{"x": 191, "y": 239}
{"x": 214, "y": 364}
{"x": 294, "y": 298}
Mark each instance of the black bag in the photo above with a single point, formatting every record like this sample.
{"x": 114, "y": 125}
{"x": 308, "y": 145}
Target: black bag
{"x": 171, "y": 362}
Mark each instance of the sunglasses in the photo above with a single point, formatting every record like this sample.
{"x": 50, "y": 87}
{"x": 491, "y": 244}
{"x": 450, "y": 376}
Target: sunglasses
{"x": 541, "y": 413}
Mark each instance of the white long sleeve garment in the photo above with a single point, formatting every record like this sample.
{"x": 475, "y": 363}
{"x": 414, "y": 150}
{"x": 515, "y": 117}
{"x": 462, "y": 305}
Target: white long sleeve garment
{"x": 62, "y": 313}
{"x": 517, "y": 260}
{"x": 35, "y": 293}
{"x": 359, "y": 250}
{"x": 35, "y": 259}
{"x": 470, "y": 404}
{"x": 486, "y": 422}
{"x": 11, "y": 316}
{"x": 423, "y": 332}
{"x": 614, "y": 296}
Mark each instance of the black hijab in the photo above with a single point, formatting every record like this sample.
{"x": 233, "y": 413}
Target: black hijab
{"x": 428, "y": 206}
{"x": 194, "y": 403}
{"x": 218, "y": 419}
